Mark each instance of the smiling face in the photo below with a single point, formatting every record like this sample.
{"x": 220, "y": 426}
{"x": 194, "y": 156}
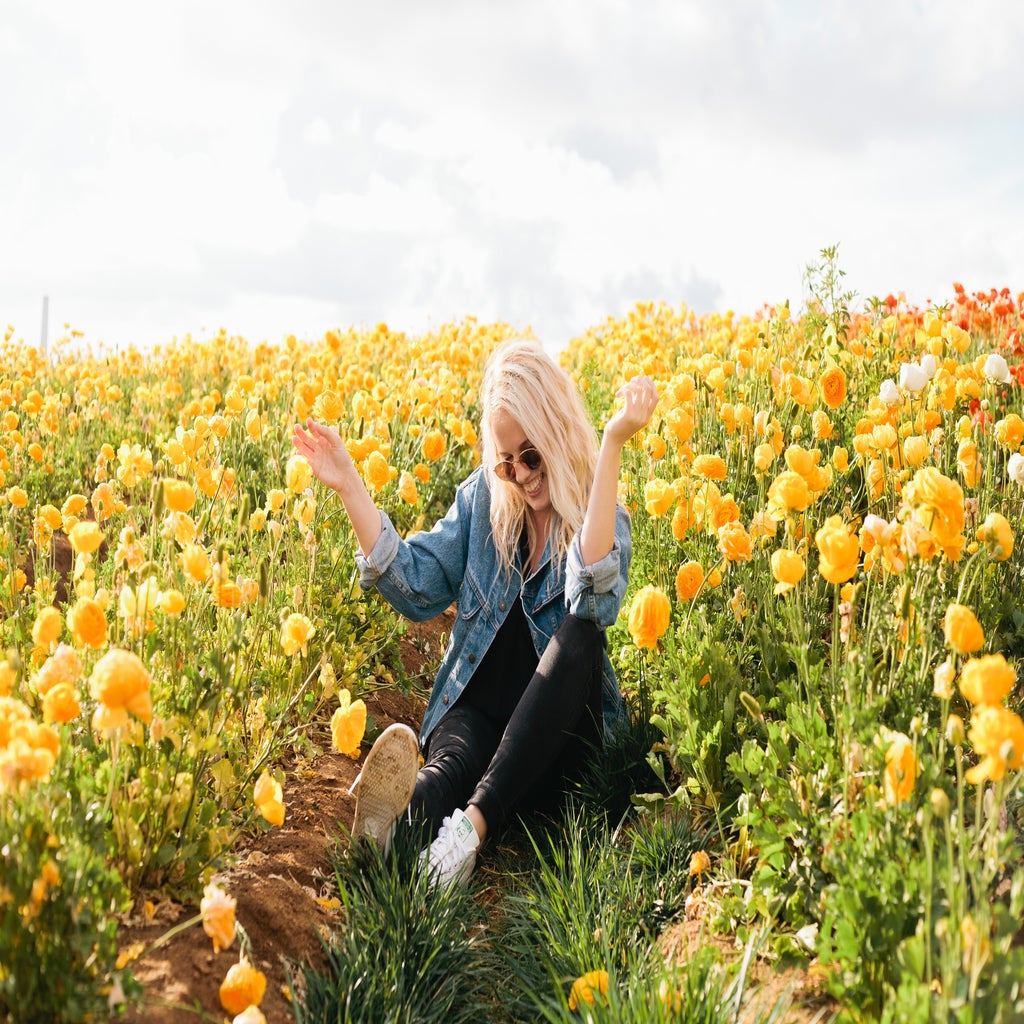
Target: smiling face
{"x": 509, "y": 440}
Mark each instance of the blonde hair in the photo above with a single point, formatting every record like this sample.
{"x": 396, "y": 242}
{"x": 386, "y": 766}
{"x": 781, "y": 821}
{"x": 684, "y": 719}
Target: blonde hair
{"x": 522, "y": 379}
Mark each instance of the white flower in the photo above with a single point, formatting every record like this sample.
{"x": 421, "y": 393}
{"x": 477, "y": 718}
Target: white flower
{"x": 888, "y": 392}
{"x": 929, "y": 365}
{"x": 912, "y": 377}
{"x": 1015, "y": 467}
{"x": 996, "y": 368}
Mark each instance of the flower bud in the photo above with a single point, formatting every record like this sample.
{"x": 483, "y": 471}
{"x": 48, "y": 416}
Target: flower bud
{"x": 955, "y": 730}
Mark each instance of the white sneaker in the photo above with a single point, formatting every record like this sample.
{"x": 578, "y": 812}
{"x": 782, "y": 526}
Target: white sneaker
{"x": 451, "y": 857}
{"x": 384, "y": 787}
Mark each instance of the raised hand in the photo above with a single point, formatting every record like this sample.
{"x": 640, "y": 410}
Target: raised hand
{"x": 326, "y": 454}
{"x": 640, "y": 397}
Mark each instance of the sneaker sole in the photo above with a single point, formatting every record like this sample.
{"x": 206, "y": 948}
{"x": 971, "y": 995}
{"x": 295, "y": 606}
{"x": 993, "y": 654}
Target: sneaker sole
{"x": 386, "y": 784}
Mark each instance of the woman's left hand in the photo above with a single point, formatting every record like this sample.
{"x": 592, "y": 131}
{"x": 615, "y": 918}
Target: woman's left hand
{"x": 640, "y": 397}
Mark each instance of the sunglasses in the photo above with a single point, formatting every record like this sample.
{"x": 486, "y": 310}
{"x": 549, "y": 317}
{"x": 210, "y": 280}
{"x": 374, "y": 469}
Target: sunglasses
{"x": 506, "y": 469}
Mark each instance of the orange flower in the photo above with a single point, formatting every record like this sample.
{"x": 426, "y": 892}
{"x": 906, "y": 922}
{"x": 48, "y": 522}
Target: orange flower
{"x": 195, "y": 563}
{"x": 46, "y": 628}
{"x": 588, "y": 987}
{"x": 838, "y": 550}
{"x": 962, "y": 630}
{"x": 832, "y": 385}
{"x": 348, "y": 724}
{"x": 120, "y": 683}
{"x": 987, "y": 680}
{"x": 61, "y": 703}
{"x": 649, "y": 616}
{"x": 840, "y": 460}
{"x": 243, "y": 986}
{"x": 88, "y": 623}
{"x": 434, "y": 445}
{"x": 688, "y": 580}
{"x": 407, "y": 488}
{"x": 378, "y": 472}
{"x": 700, "y": 862}
{"x": 711, "y": 467}
{"x": 997, "y": 734}
{"x": 734, "y": 542}
{"x": 267, "y": 796}
{"x": 227, "y": 594}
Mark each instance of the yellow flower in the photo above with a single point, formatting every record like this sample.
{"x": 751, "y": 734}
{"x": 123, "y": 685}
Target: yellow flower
{"x": 171, "y": 602}
{"x": 997, "y": 535}
{"x": 243, "y": 986}
{"x": 943, "y": 680}
{"x": 61, "y": 703}
{"x": 227, "y": 594}
{"x": 700, "y": 862}
{"x": 832, "y": 387}
{"x": 407, "y": 488}
{"x": 901, "y": 768}
{"x": 962, "y": 630}
{"x": 658, "y": 497}
{"x": 88, "y": 623}
{"x": 120, "y": 683}
{"x": 789, "y": 493}
{"x": 711, "y": 467}
{"x": 18, "y": 497}
{"x": 840, "y": 460}
{"x": 649, "y": 616}
{"x": 348, "y": 725}
{"x": 179, "y": 496}
{"x": 296, "y": 631}
{"x": 968, "y": 463}
{"x": 838, "y": 550}
{"x": 997, "y": 734}
{"x": 251, "y": 1015}
{"x": 195, "y": 563}
{"x": 788, "y": 569}
{"x": 734, "y": 542}
{"x": 916, "y": 449}
{"x": 588, "y": 987}
{"x": 1009, "y": 432}
{"x": 688, "y": 580}
{"x": 378, "y": 472}
{"x": 938, "y": 505}
{"x": 267, "y": 797}
{"x": 46, "y": 628}
{"x": 85, "y": 537}
{"x": 298, "y": 473}
{"x": 434, "y": 445}
{"x": 987, "y": 680}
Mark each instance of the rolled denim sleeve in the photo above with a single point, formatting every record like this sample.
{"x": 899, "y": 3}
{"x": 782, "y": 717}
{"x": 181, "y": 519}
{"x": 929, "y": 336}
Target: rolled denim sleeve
{"x": 372, "y": 566}
{"x": 595, "y": 592}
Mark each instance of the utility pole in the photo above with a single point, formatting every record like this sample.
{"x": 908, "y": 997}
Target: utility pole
{"x": 46, "y": 311}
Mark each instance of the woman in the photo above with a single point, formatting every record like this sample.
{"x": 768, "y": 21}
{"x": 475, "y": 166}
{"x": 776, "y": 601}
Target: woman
{"x": 535, "y": 551}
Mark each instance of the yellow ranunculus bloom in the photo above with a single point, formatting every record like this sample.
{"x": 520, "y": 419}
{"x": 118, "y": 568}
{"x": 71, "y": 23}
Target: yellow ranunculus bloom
{"x": 734, "y": 542}
{"x": 61, "y": 703}
{"x": 434, "y": 445}
{"x": 997, "y": 735}
{"x": 296, "y": 631}
{"x": 689, "y": 579}
{"x": 987, "y": 680}
{"x": 711, "y": 467}
{"x": 649, "y": 616}
{"x": 268, "y": 798}
{"x": 348, "y": 725}
{"x": 218, "y": 910}
{"x": 46, "y": 628}
{"x": 378, "y": 472}
{"x": 838, "y": 550}
{"x": 788, "y": 569}
{"x": 789, "y": 493}
{"x": 120, "y": 683}
{"x": 85, "y": 537}
{"x": 962, "y": 630}
{"x": 243, "y": 986}
{"x": 916, "y": 449}
{"x": 997, "y": 535}
{"x": 298, "y": 473}
{"x": 195, "y": 563}
{"x": 179, "y": 496}
{"x": 658, "y": 497}
{"x": 171, "y": 602}
{"x": 832, "y": 387}
{"x": 88, "y": 623}
{"x": 407, "y": 490}
{"x": 588, "y": 987}
{"x": 17, "y": 496}
{"x": 901, "y": 768}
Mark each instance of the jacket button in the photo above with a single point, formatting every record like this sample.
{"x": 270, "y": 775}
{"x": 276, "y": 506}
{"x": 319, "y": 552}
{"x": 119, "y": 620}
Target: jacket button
{"x": 446, "y": 698}
{"x": 472, "y": 659}
{"x": 501, "y": 605}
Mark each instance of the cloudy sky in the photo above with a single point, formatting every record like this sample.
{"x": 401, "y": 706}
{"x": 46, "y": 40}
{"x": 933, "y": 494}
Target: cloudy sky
{"x": 288, "y": 167}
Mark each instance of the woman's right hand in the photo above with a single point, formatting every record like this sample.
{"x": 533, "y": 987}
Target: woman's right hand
{"x": 326, "y": 454}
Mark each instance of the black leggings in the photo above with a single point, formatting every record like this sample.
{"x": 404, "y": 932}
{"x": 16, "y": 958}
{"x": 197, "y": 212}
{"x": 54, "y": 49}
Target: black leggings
{"x": 471, "y": 759}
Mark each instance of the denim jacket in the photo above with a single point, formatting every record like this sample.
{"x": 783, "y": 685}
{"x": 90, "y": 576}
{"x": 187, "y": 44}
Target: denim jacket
{"x": 457, "y": 561}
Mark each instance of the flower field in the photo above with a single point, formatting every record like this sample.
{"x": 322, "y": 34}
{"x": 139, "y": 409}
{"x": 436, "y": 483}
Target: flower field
{"x": 820, "y": 644}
